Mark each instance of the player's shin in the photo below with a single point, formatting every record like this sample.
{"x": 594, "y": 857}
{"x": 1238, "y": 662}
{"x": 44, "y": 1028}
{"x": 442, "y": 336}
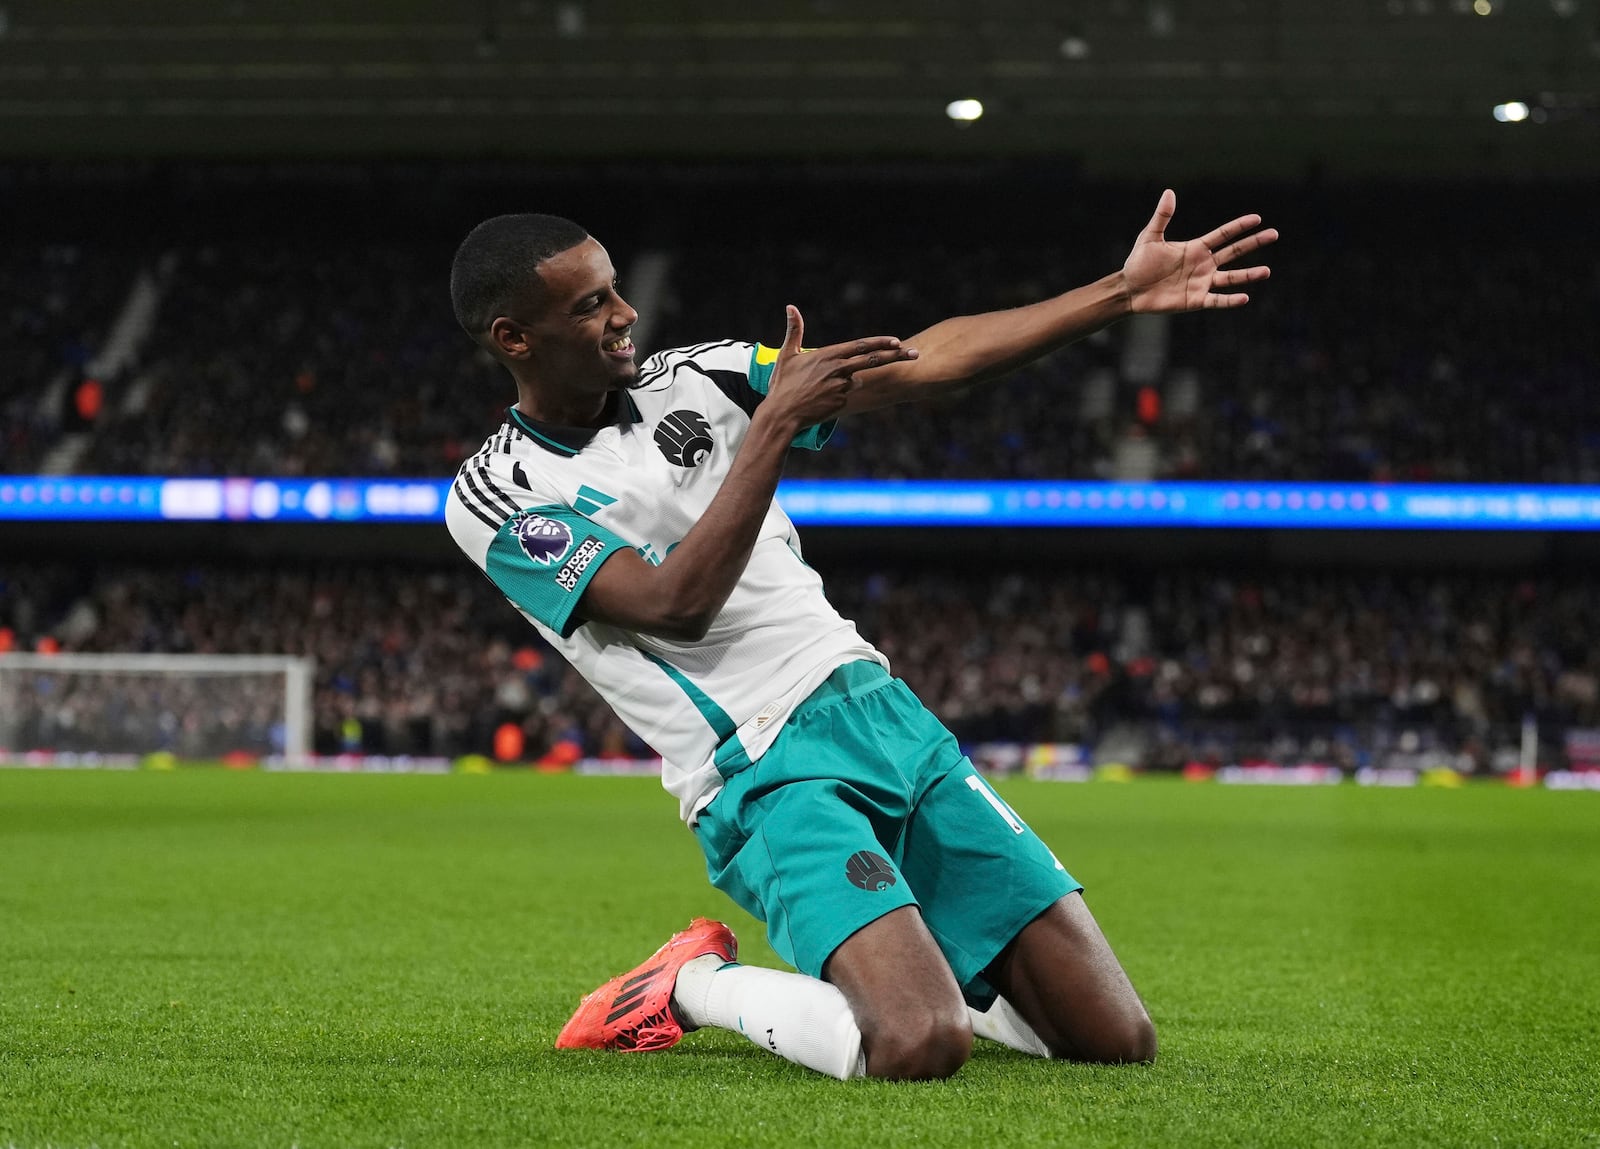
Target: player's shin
{"x": 1002, "y": 1023}
{"x": 797, "y": 1017}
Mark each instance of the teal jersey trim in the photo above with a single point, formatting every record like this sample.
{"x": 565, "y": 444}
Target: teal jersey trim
{"x": 590, "y": 501}
{"x": 721, "y": 723}
{"x": 528, "y": 428}
{"x": 763, "y": 362}
{"x": 544, "y": 566}
{"x": 731, "y": 757}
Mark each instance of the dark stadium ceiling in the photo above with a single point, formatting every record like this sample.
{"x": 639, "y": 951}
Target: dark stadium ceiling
{"x": 1119, "y": 85}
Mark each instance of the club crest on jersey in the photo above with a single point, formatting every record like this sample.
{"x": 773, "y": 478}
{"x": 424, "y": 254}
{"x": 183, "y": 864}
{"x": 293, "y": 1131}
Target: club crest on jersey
{"x": 868, "y": 871}
{"x": 543, "y": 540}
{"x": 684, "y": 438}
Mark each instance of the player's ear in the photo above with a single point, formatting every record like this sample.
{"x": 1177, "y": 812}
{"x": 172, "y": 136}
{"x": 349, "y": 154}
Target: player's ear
{"x": 509, "y": 338}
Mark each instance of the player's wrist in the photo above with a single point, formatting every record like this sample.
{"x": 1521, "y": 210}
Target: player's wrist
{"x": 1123, "y": 295}
{"x": 772, "y": 427}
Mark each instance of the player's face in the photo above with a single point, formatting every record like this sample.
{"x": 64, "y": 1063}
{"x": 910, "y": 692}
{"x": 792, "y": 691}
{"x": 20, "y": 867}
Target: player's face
{"x": 584, "y": 333}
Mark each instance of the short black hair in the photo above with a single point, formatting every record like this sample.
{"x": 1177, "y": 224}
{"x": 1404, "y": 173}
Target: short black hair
{"x": 496, "y": 265}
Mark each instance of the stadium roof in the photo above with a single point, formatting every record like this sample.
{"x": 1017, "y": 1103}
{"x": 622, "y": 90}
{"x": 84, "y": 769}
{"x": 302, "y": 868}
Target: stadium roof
{"x": 1246, "y": 86}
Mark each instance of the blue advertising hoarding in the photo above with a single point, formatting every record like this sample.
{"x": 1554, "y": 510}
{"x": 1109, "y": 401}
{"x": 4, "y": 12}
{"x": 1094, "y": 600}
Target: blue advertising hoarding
{"x": 846, "y": 503}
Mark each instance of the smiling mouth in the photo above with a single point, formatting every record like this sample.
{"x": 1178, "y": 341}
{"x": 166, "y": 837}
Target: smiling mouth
{"x": 622, "y": 346}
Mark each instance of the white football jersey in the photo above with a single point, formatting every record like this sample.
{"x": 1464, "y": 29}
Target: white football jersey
{"x": 540, "y": 508}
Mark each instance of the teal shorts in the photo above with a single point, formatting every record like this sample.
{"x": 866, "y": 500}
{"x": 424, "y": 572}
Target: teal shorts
{"x": 865, "y": 804}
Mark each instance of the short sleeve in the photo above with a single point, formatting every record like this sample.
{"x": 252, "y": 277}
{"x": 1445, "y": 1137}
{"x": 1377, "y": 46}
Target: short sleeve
{"x": 763, "y": 361}
{"x": 543, "y": 558}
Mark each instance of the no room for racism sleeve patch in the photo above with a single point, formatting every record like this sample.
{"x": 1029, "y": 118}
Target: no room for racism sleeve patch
{"x": 543, "y": 557}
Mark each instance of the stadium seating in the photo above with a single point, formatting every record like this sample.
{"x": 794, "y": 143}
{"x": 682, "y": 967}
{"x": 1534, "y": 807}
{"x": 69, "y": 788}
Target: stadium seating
{"x": 1218, "y": 665}
{"x": 1379, "y": 351}
{"x": 57, "y": 300}
{"x": 1403, "y": 338}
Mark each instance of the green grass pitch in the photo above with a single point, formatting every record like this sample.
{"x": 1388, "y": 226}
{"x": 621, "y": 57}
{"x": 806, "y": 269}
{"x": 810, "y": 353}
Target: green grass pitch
{"x": 217, "y": 959}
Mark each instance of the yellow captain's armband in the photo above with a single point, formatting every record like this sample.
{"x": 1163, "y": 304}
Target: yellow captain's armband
{"x": 767, "y": 356}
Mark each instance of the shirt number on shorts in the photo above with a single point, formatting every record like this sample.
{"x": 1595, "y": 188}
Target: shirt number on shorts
{"x": 979, "y": 786}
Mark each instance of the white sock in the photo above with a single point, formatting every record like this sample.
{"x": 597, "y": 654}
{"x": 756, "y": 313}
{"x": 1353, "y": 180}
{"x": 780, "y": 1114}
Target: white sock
{"x": 797, "y": 1017}
{"x": 1004, "y": 1024}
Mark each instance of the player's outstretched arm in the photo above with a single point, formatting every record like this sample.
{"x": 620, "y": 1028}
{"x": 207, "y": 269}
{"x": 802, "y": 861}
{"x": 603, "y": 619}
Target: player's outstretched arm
{"x": 680, "y": 598}
{"x": 1160, "y": 275}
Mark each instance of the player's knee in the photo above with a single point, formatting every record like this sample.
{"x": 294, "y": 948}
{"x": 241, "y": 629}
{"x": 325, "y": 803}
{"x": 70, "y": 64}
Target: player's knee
{"x": 1139, "y": 1040}
{"x": 925, "y": 1047}
{"x": 1131, "y": 1039}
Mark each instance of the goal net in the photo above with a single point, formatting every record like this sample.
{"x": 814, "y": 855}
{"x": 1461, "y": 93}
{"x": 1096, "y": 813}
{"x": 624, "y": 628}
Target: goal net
{"x": 188, "y": 705}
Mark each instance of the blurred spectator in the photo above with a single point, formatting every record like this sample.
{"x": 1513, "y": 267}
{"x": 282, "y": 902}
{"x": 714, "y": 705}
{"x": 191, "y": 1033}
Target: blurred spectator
{"x": 56, "y": 302}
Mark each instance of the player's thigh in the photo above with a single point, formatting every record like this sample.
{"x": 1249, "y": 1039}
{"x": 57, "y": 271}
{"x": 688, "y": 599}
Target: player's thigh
{"x": 1061, "y": 975}
{"x": 980, "y": 873}
{"x": 906, "y": 1002}
{"x": 806, "y": 858}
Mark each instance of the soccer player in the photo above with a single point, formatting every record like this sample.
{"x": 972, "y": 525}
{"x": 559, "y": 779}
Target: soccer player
{"x": 627, "y": 511}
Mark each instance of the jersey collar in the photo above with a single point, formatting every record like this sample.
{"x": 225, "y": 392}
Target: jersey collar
{"x": 568, "y": 441}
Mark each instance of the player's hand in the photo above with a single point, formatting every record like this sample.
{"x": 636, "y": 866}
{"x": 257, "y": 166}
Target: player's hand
{"x": 810, "y": 387}
{"x": 1166, "y": 275}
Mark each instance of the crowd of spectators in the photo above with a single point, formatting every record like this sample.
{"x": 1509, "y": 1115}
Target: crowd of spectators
{"x": 56, "y": 302}
{"x": 134, "y": 713}
{"x": 1450, "y": 362}
{"x": 1387, "y": 354}
{"x": 1401, "y": 339}
{"x": 407, "y": 663}
{"x": 1188, "y": 665}
{"x": 276, "y": 360}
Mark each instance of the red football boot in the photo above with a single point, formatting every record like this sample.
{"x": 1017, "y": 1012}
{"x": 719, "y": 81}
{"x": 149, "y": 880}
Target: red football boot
{"x": 632, "y": 1012}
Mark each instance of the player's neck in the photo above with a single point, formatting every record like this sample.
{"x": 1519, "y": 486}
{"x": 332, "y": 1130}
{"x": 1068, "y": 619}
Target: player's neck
{"x": 567, "y": 410}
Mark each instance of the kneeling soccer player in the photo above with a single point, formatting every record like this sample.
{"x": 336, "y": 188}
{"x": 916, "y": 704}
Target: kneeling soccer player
{"x": 628, "y": 512}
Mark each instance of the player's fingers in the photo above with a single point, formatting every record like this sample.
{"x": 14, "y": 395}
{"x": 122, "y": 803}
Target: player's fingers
{"x": 1231, "y": 230}
{"x": 794, "y": 330}
{"x": 836, "y": 353}
{"x": 1240, "y": 276}
{"x": 1246, "y": 245}
{"x": 869, "y": 345}
{"x": 1216, "y": 300}
{"x": 876, "y": 357}
{"x": 1165, "y": 206}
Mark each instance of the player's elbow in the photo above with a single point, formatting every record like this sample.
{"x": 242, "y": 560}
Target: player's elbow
{"x": 683, "y": 618}
{"x": 671, "y": 608}
{"x": 685, "y": 628}
{"x": 658, "y": 619}
{"x": 912, "y": 380}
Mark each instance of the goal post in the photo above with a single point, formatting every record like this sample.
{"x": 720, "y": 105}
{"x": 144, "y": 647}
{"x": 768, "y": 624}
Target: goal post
{"x": 190, "y": 705}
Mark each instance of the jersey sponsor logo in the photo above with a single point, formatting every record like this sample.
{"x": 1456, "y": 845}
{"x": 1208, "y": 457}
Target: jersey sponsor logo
{"x": 543, "y": 540}
{"x": 869, "y": 871}
{"x": 684, "y": 438}
{"x": 567, "y": 577}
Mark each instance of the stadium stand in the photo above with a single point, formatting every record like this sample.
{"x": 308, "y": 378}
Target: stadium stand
{"x": 1189, "y": 665}
{"x": 1389, "y": 355}
{"x": 315, "y": 361}
{"x": 57, "y": 303}
{"x": 1405, "y": 338}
